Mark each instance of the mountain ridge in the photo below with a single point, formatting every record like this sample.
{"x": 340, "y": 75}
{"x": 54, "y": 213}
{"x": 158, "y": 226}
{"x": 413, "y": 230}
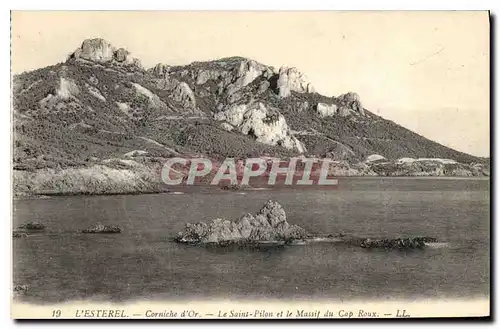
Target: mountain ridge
{"x": 102, "y": 104}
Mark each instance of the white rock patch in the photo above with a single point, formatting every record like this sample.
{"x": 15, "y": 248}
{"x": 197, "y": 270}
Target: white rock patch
{"x": 405, "y": 160}
{"x": 135, "y": 153}
{"x": 205, "y": 75}
{"x": 290, "y": 79}
{"x": 124, "y": 107}
{"x": 144, "y": 91}
{"x": 326, "y": 110}
{"x": 226, "y": 126}
{"x": 267, "y": 126}
{"x": 67, "y": 88}
{"x": 375, "y": 157}
{"x": 443, "y": 161}
{"x": 155, "y": 100}
{"x": 412, "y": 160}
{"x": 233, "y": 116}
{"x": 95, "y": 92}
{"x": 184, "y": 95}
{"x": 248, "y": 71}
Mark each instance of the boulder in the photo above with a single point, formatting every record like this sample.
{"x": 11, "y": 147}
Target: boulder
{"x": 121, "y": 55}
{"x": 350, "y": 101}
{"x": 268, "y": 225}
{"x": 96, "y": 50}
{"x": 101, "y": 51}
{"x": 268, "y": 126}
{"x": 226, "y": 126}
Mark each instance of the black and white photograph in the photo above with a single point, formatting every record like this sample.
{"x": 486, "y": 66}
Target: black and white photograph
{"x": 250, "y": 164}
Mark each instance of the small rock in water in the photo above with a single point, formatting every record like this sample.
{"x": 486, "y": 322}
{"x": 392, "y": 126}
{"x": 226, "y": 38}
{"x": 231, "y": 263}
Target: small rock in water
{"x": 17, "y": 234}
{"x": 21, "y": 288}
{"x": 100, "y": 228}
{"x": 336, "y": 235}
{"x": 32, "y": 226}
{"x": 269, "y": 225}
{"x": 398, "y": 243}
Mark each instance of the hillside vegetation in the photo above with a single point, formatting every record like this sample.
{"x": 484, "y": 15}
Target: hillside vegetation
{"x": 101, "y": 104}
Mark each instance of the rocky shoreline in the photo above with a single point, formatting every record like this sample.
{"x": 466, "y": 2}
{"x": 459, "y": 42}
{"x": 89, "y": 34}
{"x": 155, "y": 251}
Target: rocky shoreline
{"x": 141, "y": 179}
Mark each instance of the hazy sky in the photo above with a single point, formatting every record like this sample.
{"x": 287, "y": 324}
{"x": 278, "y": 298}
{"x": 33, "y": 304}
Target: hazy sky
{"x": 428, "y": 71}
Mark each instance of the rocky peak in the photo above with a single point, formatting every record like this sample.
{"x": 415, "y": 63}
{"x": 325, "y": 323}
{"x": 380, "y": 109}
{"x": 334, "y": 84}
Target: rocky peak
{"x": 290, "y": 79}
{"x": 235, "y": 73}
{"x": 350, "y": 102}
{"x": 250, "y": 69}
{"x": 101, "y": 51}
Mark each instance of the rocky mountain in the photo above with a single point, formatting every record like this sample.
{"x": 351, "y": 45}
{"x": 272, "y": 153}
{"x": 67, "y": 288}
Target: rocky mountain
{"x": 100, "y": 122}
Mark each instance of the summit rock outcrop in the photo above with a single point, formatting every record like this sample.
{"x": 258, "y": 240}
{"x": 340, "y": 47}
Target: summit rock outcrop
{"x": 247, "y": 72}
{"x": 232, "y": 74}
{"x": 290, "y": 79}
{"x": 101, "y": 51}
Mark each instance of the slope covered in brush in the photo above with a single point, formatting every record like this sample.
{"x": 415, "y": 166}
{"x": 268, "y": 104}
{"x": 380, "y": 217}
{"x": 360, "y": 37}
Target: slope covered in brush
{"x": 101, "y": 104}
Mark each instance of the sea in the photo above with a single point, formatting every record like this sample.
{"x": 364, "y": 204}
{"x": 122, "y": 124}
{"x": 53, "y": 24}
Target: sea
{"x": 144, "y": 263}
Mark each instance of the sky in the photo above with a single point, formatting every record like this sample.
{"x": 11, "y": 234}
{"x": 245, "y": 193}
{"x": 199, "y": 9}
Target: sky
{"x": 427, "y": 71}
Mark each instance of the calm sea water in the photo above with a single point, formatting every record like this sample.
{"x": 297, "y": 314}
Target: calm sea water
{"x": 143, "y": 262}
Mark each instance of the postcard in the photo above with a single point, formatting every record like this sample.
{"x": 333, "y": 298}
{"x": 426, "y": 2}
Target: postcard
{"x": 250, "y": 165}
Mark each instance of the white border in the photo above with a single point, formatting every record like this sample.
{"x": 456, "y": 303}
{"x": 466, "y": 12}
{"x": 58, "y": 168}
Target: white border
{"x": 255, "y": 5}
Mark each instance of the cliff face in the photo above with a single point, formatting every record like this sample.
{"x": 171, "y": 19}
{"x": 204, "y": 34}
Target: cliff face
{"x": 101, "y": 104}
